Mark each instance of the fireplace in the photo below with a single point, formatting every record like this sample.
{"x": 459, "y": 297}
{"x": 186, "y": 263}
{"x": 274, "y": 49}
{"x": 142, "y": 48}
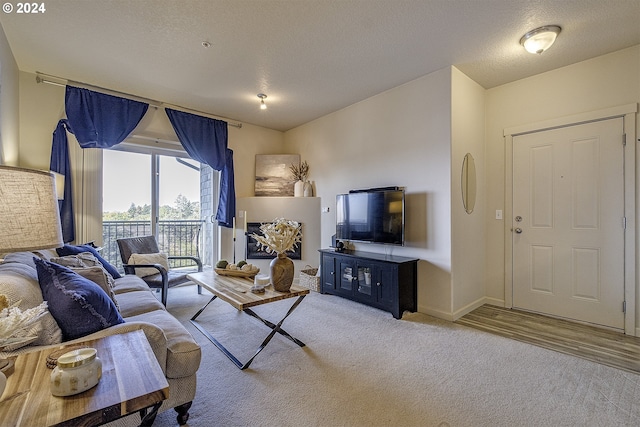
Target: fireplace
{"x": 253, "y": 252}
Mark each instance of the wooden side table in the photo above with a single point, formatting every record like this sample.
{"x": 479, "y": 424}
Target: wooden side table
{"x": 132, "y": 381}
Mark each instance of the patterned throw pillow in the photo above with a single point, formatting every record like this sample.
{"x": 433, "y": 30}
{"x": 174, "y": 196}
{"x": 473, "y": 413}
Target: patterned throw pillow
{"x": 79, "y": 306}
{"x": 74, "y": 250}
{"x": 157, "y": 258}
{"x": 88, "y": 266}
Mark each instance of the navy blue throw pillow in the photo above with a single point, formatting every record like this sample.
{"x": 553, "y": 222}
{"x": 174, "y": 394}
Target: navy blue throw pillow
{"x": 79, "y": 306}
{"x": 75, "y": 250}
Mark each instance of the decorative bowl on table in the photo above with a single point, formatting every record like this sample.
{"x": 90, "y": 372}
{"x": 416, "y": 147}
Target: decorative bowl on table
{"x": 237, "y": 273}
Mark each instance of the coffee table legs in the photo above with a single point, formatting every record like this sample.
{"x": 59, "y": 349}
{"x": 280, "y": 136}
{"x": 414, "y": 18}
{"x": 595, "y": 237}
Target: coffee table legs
{"x": 274, "y": 328}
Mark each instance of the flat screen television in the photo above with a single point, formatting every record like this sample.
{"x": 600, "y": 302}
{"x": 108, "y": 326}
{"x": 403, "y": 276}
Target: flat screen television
{"x": 375, "y": 216}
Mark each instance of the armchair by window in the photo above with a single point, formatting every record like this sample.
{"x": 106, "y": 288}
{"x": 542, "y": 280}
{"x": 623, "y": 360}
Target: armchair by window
{"x": 164, "y": 278}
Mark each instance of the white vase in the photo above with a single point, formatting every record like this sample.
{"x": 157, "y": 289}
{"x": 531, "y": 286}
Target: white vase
{"x": 308, "y": 189}
{"x": 298, "y": 189}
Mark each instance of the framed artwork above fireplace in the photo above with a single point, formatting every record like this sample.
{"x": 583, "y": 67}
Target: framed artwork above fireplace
{"x": 273, "y": 176}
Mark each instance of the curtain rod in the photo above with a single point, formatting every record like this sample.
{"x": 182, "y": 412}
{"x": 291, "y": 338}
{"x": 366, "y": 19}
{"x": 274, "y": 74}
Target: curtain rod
{"x": 43, "y": 78}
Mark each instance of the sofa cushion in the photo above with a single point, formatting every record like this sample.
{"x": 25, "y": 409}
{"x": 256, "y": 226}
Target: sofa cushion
{"x": 79, "y": 306}
{"x": 25, "y": 258}
{"x": 137, "y": 302}
{"x": 156, "y": 258}
{"x": 19, "y": 283}
{"x": 46, "y": 253}
{"x": 129, "y": 283}
{"x": 183, "y": 352}
{"x": 74, "y": 250}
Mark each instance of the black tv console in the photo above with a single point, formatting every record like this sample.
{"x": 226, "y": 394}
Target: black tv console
{"x": 383, "y": 281}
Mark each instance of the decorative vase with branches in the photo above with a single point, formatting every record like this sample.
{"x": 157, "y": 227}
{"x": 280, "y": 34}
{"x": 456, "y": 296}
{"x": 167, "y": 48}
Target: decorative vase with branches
{"x": 280, "y": 236}
{"x": 300, "y": 173}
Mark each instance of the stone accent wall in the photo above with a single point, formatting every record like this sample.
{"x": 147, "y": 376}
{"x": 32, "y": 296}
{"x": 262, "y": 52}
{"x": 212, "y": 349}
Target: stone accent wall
{"x": 207, "y": 211}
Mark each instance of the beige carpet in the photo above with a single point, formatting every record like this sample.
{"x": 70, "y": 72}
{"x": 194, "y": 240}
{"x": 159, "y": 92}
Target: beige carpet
{"x": 361, "y": 367}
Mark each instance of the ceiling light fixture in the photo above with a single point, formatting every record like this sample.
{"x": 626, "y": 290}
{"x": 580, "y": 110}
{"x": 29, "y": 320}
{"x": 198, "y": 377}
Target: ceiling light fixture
{"x": 206, "y": 44}
{"x": 540, "y": 39}
{"x": 262, "y": 97}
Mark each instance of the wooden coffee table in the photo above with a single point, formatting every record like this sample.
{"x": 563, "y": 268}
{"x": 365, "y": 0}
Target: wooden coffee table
{"x": 132, "y": 381}
{"x": 237, "y": 292}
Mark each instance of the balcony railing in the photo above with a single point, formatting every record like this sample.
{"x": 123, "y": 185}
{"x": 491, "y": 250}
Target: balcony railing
{"x": 175, "y": 238}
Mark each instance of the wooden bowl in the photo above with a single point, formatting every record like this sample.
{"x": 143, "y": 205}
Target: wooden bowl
{"x": 236, "y": 273}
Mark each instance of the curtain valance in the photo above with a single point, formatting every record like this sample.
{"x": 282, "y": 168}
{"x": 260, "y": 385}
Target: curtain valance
{"x": 99, "y": 120}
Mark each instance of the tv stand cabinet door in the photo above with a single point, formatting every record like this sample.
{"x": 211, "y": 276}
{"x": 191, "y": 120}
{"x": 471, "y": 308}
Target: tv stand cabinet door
{"x": 365, "y": 284}
{"x": 387, "y": 287}
{"x": 328, "y": 274}
{"x": 346, "y": 276}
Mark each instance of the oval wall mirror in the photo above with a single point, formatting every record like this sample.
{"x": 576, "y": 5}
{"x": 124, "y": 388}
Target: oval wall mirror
{"x": 468, "y": 183}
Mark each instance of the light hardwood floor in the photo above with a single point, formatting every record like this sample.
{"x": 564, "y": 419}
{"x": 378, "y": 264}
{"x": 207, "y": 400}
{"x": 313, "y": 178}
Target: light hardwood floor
{"x": 599, "y": 345}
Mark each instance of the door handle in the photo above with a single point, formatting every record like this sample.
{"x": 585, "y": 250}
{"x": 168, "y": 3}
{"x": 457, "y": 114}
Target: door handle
{"x": 518, "y": 230}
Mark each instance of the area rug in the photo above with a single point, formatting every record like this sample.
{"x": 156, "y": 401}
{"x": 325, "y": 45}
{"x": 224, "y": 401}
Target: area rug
{"x": 599, "y": 345}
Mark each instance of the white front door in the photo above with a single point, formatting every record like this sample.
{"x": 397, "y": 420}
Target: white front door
{"x": 568, "y": 225}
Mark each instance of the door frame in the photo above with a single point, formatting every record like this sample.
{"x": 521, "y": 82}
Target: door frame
{"x": 628, "y": 114}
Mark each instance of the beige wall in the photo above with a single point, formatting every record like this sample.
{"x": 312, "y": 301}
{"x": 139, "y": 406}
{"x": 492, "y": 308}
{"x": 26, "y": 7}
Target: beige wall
{"x": 607, "y": 81}
{"x": 468, "y": 230}
{"x": 9, "y": 102}
{"x": 41, "y": 106}
{"x": 400, "y": 137}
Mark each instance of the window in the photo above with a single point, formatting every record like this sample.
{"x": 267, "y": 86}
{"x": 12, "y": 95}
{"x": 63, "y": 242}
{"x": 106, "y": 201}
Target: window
{"x": 168, "y": 207}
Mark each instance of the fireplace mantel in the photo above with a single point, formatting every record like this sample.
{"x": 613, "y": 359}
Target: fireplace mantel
{"x": 305, "y": 210}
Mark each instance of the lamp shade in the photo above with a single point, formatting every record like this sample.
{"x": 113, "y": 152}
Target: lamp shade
{"x": 29, "y": 216}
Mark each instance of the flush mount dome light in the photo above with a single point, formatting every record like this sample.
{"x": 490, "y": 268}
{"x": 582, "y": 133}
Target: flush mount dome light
{"x": 540, "y": 39}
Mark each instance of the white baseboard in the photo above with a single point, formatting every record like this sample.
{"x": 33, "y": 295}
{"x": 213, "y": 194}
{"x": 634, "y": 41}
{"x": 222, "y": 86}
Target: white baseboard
{"x": 461, "y": 312}
{"x": 436, "y": 313}
{"x": 469, "y": 308}
{"x": 494, "y": 301}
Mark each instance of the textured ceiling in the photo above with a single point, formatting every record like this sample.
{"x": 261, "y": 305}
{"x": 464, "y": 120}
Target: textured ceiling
{"x": 310, "y": 57}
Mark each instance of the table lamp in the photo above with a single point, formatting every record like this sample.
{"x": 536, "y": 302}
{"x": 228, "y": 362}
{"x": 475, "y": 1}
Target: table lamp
{"x": 29, "y": 216}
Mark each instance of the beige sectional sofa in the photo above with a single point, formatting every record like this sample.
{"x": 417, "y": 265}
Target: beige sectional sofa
{"x": 175, "y": 349}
